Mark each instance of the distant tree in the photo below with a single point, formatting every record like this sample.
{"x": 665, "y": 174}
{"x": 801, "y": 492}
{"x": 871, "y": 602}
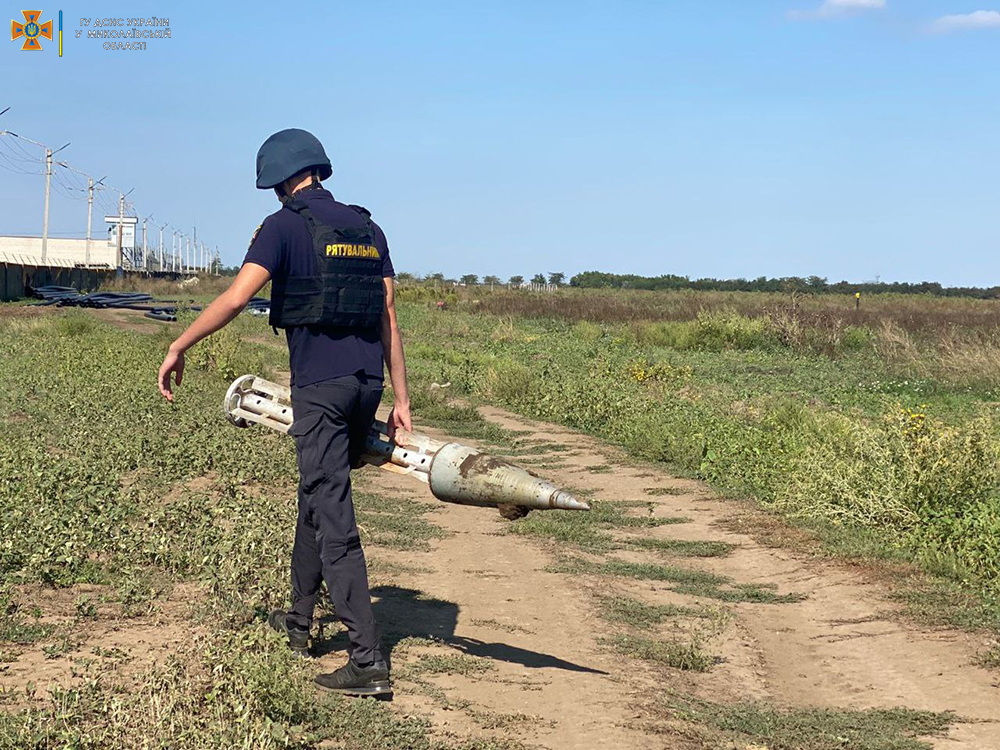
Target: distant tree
{"x": 437, "y": 278}
{"x": 538, "y": 279}
{"x": 816, "y": 283}
{"x": 404, "y": 276}
{"x": 516, "y": 280}
{"x": 470, "y": 279}
{"x": 492, "y": 280}
{"x": 556, "y": 279}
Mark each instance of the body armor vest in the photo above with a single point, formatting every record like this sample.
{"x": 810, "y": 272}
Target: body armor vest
{"x": 346, "y": 290}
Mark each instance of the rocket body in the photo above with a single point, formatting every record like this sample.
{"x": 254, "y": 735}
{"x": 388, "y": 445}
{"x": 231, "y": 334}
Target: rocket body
{"x": 455, "y": 473}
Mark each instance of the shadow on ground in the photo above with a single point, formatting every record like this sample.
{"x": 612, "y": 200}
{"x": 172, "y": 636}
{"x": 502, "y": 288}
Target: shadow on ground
{"x": 407, "y": 613}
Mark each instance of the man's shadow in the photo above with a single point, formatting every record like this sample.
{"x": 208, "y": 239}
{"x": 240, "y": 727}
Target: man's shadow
{"x": 407, "y": 613}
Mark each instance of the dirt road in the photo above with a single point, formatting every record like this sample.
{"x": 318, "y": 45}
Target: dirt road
{"x": 534, "y": 660}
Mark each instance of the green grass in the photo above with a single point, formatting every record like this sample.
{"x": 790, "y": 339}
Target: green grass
{"x": 396, "y": 522}
{"x": 680, "y": 547}
{"x": 624, "y": 610}
{"x": 459, "y": 421}
{"x": 18, "y": 626}
{"x": 684, "y": 580}
{"x": 22, "y": 632}
{"x": 871, "y": 434}
{"x": 990, "y": 657}
{"x": 97, "y": 485}
{"x": 241, "y": 690}
{"x": 748, "y": 724}
{"x": 688, "y": 656}
{"x": 493, "y": 624}
{"x": 496, "y": 720}
{"x": 590, "y": 531}
{"x": 662, "y": 491}
{"x": 461, "y": 664}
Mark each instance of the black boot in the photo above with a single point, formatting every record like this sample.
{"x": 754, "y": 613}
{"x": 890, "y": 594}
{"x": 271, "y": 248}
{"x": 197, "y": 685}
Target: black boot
{"x": 351, "y": 679}
{"x": 298, "y": 639}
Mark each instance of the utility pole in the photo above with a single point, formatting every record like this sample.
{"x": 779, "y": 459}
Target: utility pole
{"x": 90, "y": 212}
{"x": 121, "y": 218}
{"x": 45, "y": 219}
{"x": 49, "y": 153}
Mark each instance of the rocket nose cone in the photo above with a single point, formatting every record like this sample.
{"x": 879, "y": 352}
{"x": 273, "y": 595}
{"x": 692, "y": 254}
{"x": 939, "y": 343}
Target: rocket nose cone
{"x": 562, "y": 500}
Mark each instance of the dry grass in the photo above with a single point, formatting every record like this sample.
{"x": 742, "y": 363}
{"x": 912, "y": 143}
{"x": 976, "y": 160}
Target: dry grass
{"x": 168, "y": 288}
{"x": 953, "y": 340}
{"x": 826, "y": 311}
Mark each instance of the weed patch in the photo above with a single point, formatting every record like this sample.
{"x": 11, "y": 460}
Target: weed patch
{"x": 624, "y": 610}
{"x": 684, "y": 580}
{"x": 756, "y": 724}
{"x": 662, "y": 491}
{"x": 589, "y": 531}
{"x": 684, "y": 655}
{"x": 680, "y": 547}
{"x": 462, "y": 664}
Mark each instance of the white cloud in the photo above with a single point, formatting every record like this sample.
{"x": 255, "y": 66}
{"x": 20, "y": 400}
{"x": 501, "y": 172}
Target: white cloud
{"x": 834, "y": 8}
{"x": 980, "y": 19}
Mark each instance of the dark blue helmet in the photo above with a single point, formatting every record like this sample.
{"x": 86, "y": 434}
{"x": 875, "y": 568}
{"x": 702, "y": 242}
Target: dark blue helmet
{"x": 288, "y": 152}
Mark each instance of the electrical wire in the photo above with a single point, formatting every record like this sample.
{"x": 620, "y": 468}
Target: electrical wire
{"x": 15, "y": 167}
{"x": 65, "y": 189}
{"x": 16, "y": 170}
{"x": 30, "y": 156}
{"x": 21, "y": 154}
{"x": 71, "y": 184}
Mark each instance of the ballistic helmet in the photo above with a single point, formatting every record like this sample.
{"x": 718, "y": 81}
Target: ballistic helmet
{"x": 288, "y": 152}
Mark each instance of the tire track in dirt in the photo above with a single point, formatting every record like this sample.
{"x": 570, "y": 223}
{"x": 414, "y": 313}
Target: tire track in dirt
{"x": 839, "y": 647}
{"x": 534, "y": 626}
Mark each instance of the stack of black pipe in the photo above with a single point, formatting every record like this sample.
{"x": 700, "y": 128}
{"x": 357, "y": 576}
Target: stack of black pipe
{"x": 63, "y": 296}
{"x": 157, "y": 309}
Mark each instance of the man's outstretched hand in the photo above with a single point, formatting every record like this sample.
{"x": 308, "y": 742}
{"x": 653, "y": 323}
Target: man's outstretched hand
{"x": 399, "y": 419}
{"x": 173, "y": 364}
{"x": 226, "y": 306}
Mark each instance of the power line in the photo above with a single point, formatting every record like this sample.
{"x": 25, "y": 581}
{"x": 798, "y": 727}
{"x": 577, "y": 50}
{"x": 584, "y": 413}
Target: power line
{"x": 15, "y": 160}
{"x": 20, "y": 154}
{"x": 76, "y": 185}
{"x": 24, "y": 154}
{"x": 17, "y": 170}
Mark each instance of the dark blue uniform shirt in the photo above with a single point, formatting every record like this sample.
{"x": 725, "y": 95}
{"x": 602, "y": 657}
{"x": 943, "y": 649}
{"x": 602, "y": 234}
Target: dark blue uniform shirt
{"x": 282, "y": 245}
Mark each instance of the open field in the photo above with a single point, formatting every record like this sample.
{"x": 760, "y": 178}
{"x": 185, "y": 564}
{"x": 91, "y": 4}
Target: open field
{"x": 141, "y": 544}
{"x": 884, "y": 424}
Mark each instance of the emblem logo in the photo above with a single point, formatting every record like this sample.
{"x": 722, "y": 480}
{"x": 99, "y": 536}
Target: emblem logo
{"x": 31, "y": 30}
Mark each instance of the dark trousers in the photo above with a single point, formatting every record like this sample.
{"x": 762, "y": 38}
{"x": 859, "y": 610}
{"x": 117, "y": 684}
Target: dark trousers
{"x": 332, "y": 419}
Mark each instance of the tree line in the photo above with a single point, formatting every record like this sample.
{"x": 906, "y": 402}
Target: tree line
{"x": 812, "y": 284}
{"x": 471, "y": 279}
{"x": 601, "y": 280}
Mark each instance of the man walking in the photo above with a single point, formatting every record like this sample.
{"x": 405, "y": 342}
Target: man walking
{"x": 332, "y": 293}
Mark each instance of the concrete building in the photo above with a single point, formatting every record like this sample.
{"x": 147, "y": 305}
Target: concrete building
{"x": 61, "y": 252}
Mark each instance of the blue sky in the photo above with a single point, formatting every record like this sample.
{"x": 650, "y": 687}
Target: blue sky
{"x": 846, "y": 138}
